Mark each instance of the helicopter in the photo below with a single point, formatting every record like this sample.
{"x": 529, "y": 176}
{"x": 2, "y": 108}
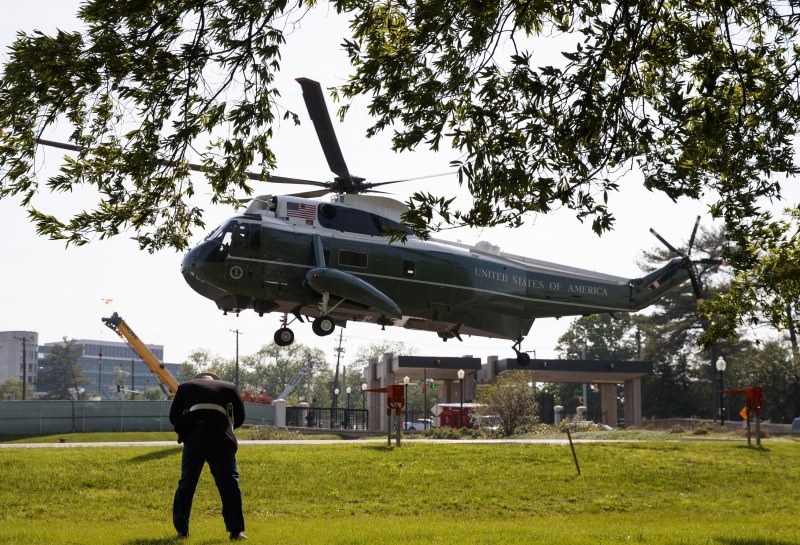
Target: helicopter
{"x": 333, "y": 262}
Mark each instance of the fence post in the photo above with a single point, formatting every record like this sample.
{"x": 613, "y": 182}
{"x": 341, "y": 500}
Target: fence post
{"x": 280, "y": 413}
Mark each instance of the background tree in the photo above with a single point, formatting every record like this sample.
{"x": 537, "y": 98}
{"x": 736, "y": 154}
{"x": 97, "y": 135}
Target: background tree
{"x": 771, "y": 366}
{"x": 510, "y": 400}
{"x": 594, "y": 337}
{"x": 11, "y": 388}
{"x": 701, "y": 98}
{"x": 62, "y": 377}
{"x": 683, "y": 380}
{"x": 273, "y": 367}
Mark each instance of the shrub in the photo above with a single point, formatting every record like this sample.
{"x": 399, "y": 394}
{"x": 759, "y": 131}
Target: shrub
{"x": 271, "y": 433}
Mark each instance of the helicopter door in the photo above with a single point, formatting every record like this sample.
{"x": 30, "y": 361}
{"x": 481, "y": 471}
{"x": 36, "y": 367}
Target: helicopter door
{"x": 435, "y": 272}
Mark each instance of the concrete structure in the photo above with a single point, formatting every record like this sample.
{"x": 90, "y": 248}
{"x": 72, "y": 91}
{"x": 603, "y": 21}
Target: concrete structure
{"x": 17, "y": 347}
{"x": 607, "y": 375}
{"x": 392, "y": 369}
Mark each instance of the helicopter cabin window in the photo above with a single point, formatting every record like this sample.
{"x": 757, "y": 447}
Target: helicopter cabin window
{"x": 247, "y": 236}
{"x": 352, "y": 259}
{"x": 409, "y": 268}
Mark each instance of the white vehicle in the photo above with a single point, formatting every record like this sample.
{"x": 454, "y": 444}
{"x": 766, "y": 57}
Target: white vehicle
{"x": 417, "y": 425}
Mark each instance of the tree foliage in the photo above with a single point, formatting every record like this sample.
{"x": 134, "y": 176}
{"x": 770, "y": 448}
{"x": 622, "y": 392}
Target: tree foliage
{"x": 510, "y": 400}
{"x": 548, "y": 104}
{"x": 11, "y": 388}
{"x": 62, "y": 377}
{"x": 684, "y": 381}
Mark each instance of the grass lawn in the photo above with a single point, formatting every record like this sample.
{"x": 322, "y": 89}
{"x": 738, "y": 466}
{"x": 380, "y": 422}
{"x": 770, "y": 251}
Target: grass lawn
{"x": 654, "y": 492}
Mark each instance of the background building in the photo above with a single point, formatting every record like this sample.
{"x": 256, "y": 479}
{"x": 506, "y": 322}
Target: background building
{"x": 18, "y": 355}
{"x": 107, "y": 365}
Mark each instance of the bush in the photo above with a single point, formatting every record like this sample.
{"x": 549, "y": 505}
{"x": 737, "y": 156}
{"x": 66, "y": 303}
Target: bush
{"x": 460, "y": 433}
{"x": 271, "y": 433}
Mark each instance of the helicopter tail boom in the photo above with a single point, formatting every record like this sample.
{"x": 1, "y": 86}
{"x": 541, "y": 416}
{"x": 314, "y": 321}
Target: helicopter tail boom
{"x": 652, "y": 286}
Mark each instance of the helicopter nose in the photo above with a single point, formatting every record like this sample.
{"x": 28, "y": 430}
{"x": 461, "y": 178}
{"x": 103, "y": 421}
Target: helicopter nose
{"x": 189, "y": 260}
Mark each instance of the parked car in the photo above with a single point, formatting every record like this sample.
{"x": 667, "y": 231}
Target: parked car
{"x": 417, "y": 425}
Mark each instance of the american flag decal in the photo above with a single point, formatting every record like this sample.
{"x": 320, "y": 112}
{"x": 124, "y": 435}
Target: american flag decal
{"x": 300, "y": 210}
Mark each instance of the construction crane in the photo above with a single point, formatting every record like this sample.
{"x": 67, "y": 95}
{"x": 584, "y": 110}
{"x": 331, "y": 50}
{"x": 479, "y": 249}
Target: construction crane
{"x": 167, "y": 383}
{"x": 292, "y": 383}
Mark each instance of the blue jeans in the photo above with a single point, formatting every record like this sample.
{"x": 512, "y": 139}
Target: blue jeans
{"x": 221, "y": 458}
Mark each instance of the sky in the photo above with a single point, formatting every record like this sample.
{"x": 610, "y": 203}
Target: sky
{"x": 63, "y": 291}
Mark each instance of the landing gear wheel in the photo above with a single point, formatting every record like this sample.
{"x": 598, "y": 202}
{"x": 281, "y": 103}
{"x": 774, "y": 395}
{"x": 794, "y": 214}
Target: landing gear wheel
{"x": 323, "y": 326}
{"x": 284, "y": 336}
{"x": 523, "y": 359}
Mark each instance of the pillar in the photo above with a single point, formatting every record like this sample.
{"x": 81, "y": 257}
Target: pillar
{"x": 608, "y": 405}
{"x": 633, "y": 403}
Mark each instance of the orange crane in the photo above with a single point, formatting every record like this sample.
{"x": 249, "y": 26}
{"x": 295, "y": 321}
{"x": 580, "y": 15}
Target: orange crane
{"x": 168, "y": 383}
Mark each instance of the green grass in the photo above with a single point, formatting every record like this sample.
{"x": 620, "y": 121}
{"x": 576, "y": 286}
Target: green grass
{"x": 653, "y": 492}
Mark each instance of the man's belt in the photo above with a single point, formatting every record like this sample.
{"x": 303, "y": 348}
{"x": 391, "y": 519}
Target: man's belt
{"x": 210, "y": 406}
{"x": 214, "y": 407}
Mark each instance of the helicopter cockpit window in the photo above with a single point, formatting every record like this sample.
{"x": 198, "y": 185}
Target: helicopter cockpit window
{"x": 221, "y": 238}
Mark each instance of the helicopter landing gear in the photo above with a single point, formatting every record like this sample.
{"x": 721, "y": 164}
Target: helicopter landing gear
{"x": 323, "y": 325}
{"x": 284, "y": 336}
{"x": 523, "y": 358}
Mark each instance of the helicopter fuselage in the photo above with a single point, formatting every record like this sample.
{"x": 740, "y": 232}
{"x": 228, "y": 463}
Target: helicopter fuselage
{"x": 307, "y": 258}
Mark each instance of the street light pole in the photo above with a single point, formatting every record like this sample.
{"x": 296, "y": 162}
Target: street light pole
{"x": 461, "y": 398}
{"x": 406, "y": 380}
{"x": 236, "y": 377}
{"x": 364, "y": 396}
{"x": 721, "y": 365}
{"x": 335, "y": 408}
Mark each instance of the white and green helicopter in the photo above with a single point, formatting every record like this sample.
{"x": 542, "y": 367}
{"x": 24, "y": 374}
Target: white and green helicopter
{"x": 332, "y": 262}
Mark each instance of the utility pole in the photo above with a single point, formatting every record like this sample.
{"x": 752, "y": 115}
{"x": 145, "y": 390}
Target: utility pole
{"x": 237, "y": 333}
{"x": 24, "y": 364}
{"x": 133, "y": 377}
{"x": 338, "y": 351}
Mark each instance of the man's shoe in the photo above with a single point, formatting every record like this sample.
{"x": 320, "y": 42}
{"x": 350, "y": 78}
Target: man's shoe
{"x": 236, "y": 536}
{"x": 183, "y": 535}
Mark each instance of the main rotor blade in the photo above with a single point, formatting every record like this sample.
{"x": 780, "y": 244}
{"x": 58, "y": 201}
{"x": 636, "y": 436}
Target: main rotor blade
{"x": 315, "y": 103}
{"x": 283, "y": 180}
{"x": 410, "y": 179}
{"x": 311, "y": 194}
{"x": 200, "y": 168}
{"x": 664, "y": 242}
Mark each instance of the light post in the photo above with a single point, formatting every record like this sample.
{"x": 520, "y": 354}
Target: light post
{"x": 364, "y": 396}
{"x": 721, "y": 365}
{"x": 461, "y": 398}
{"x": 347, "y": 409}
{"x": 100, "y": 375}
{"x": 406, "y": 380}
{"x": 335, "y": 410}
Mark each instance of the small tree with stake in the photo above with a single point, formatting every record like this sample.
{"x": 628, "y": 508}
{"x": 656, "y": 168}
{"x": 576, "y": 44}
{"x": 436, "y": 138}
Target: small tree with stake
{"x": 510, "y": 400}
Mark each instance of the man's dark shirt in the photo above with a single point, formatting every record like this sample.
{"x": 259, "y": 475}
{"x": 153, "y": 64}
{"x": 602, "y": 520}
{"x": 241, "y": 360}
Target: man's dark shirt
{"x": 217, "y": 392}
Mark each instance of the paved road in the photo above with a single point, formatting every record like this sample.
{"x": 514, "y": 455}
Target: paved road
{"x": 167, "y": 444}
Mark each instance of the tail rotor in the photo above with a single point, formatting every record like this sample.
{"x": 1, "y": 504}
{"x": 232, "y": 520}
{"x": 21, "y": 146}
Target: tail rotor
{"x": 688, "y": 261}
